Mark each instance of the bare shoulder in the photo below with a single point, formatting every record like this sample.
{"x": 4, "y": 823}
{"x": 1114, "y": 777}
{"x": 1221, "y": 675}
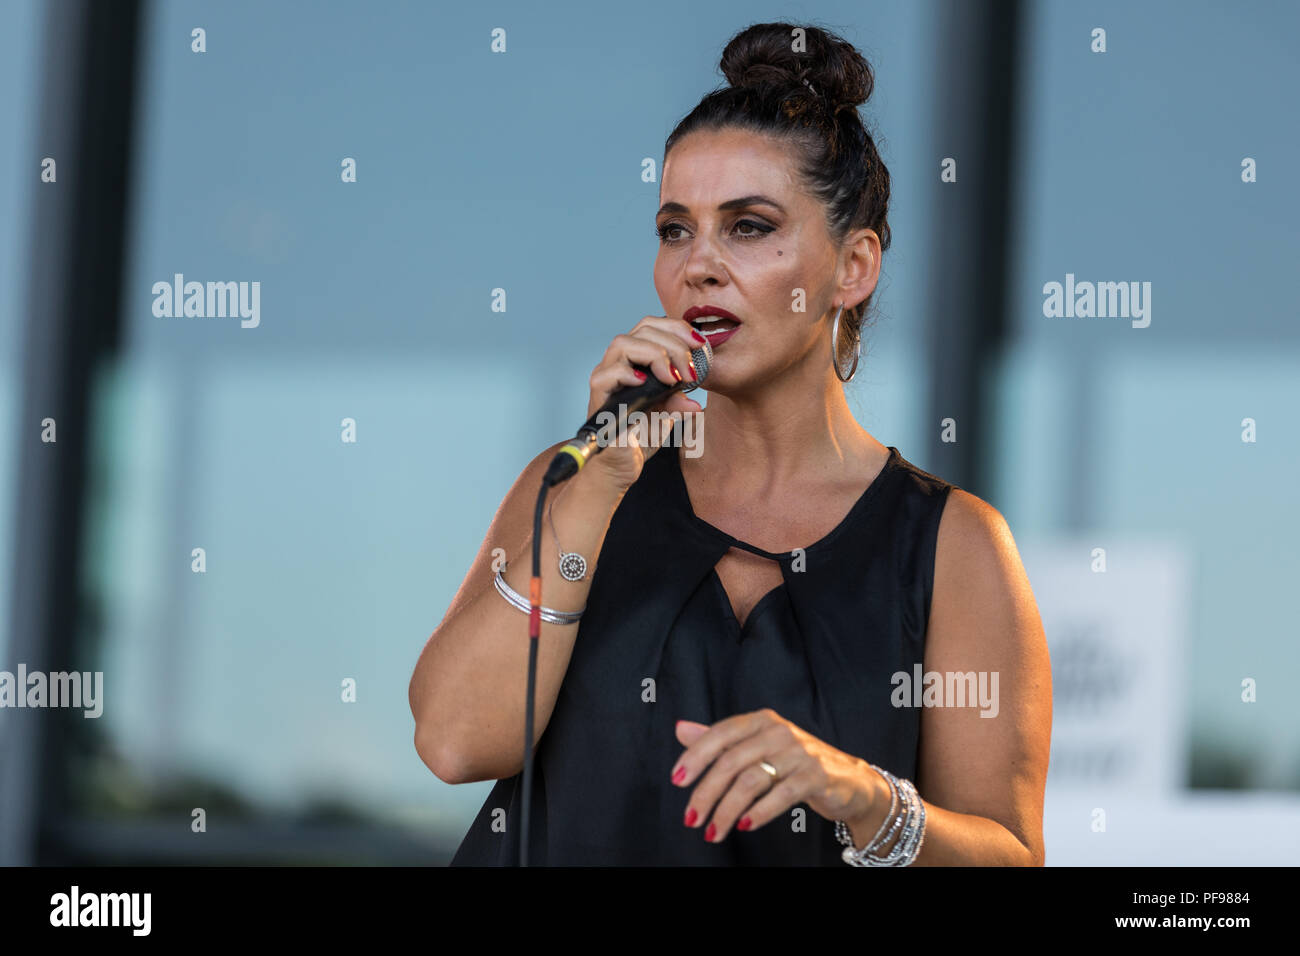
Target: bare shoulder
{"x": 977, "y": 568}
{"x": 975, "y": 548}
{"x": 971, "y": 524}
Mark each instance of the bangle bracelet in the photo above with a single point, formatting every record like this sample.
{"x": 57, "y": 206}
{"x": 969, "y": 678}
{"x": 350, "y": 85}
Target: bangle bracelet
{"x": 548, "y": 615}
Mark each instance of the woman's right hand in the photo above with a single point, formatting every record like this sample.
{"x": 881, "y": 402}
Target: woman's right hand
{"x": 663, "y": 345}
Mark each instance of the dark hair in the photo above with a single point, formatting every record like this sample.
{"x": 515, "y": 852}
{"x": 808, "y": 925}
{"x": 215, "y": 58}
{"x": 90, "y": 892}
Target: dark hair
{"x": 768, "y": 94}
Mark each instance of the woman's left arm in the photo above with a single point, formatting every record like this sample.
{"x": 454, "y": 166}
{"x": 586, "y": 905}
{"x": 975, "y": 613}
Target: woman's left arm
{"x": 982, "y": 769}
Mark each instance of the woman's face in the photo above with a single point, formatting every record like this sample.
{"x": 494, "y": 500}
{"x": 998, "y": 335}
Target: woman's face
{"x": 771, "y": 266}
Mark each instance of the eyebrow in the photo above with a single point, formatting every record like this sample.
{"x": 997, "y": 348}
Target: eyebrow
{"x": 727, "y": 206}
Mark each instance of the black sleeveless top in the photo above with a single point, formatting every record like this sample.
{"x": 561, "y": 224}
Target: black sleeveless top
{"x": 659, "y": 642}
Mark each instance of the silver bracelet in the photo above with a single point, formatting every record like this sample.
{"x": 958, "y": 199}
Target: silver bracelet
{"x": 845, "y": 835}
{"x": 878, "y": 840}
{"x": 909, "y": 843}
{"x": 548, "y": 615}
{"x": 573, "y": 566}
{"x": 910, "y": 819}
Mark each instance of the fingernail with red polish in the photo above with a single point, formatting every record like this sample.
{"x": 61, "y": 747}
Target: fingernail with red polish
{"x": 691, "y": 816}
{"x": 708, "y": 834}
{"x": 679, "y": 775}
{"x": 691, "y": 368}
{"x": 640, "y": 375}
{"x": 676, "y": 374}
{"x": 697, "y": 337}
{"x": 744, "y": 824}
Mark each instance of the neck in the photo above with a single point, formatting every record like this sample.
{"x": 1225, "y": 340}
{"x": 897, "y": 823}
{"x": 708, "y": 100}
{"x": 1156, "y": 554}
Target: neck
{"x": 790, "y": 434}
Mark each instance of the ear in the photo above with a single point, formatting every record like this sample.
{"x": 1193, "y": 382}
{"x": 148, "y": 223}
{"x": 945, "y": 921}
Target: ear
{"x": 861, "y": 266}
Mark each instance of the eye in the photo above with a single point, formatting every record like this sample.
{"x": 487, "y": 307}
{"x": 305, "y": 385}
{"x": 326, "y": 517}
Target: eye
{"x": 663, "y": 233}
{"x": 762, "y": 229}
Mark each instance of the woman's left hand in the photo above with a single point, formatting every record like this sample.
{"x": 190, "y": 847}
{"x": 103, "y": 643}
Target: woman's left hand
{"x": 724, "y": 758}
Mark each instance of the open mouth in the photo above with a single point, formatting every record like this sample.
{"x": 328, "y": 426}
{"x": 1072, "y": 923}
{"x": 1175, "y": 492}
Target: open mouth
{"x": 713, "y": 325}
{"x": 715, "y": 330}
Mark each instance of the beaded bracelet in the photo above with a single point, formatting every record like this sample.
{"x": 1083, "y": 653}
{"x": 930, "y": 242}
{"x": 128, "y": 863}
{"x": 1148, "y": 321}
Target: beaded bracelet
{"x": 910, "y": 819}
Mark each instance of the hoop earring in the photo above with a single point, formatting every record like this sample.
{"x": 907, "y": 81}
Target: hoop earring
{"x": 835, "y": 352}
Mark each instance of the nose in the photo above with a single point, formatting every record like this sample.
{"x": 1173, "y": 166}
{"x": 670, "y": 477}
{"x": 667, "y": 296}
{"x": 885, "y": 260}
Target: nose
{"x": 704, "y": 261}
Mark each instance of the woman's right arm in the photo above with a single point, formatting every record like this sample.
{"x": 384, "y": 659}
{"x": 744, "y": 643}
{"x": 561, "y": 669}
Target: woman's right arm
{"x": 467, "y": 691}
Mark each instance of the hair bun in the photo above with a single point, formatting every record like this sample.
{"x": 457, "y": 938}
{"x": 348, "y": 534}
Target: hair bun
{"x": 765, "y": 54}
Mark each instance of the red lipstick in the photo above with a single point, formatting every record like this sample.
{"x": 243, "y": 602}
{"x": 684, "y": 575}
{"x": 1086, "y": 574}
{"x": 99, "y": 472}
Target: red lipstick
{"x": 713, "y": 322}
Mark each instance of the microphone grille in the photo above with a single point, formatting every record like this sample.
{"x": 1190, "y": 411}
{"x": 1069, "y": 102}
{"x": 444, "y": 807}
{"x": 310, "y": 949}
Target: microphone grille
{"x": 701, "y": 359}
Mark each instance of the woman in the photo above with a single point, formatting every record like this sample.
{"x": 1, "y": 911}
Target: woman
{"x": 745, "y": 683}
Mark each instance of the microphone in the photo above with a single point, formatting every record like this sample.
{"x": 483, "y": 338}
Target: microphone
{"x": 565, "y": 465}
{"x": 569, "y": 459}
